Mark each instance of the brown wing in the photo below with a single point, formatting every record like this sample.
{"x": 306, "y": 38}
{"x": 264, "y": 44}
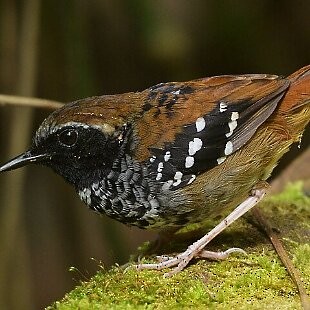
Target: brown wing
{"x": 193, "y": 126}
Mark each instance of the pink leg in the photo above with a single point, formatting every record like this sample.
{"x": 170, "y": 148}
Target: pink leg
{"x": 196, "y": 249}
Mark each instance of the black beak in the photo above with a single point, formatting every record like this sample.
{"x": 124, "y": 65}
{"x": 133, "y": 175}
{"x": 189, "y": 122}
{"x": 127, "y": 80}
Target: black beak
{"x": 23, "y": 160}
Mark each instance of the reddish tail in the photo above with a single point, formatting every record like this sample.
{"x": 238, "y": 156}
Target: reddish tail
{"x": 294, "y": 110}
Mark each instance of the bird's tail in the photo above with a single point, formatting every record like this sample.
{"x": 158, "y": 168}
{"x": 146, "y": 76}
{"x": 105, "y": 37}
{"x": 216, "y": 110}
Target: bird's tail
{"x": 294, "y": 109}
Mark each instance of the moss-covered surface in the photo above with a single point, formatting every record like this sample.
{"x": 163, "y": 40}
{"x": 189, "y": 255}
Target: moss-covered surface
{"x": 257, "y": 280}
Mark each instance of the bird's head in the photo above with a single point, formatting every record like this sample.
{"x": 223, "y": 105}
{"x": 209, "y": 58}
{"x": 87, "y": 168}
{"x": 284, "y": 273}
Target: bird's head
{"x": 79, "y": 141}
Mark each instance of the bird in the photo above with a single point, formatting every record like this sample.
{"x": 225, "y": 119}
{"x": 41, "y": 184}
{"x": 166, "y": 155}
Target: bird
{"x": 176, "y": 153}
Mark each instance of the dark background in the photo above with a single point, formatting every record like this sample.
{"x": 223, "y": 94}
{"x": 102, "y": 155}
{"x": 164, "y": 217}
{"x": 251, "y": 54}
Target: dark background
{"x": 65, "y": 50}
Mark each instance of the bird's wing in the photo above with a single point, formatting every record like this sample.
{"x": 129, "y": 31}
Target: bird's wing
{"x": 189, "y": 128}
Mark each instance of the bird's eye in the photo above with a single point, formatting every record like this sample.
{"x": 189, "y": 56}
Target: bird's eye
{"x": 68, "y": 137}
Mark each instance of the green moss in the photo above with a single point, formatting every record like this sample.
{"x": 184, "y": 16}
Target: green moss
{"x": 257, "y": 280}
{"x": 294, "y": 194}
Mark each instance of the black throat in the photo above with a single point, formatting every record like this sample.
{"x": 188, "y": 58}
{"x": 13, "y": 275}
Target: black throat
{"x": 126, "y": 193}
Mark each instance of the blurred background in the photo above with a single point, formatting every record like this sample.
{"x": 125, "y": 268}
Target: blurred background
{"x": 65, "y": 50}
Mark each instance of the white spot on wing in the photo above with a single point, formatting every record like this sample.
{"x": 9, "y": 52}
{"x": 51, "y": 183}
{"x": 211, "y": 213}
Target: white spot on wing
{"x": 194, "y": 146}
{"x": 176, "y": 92}
{"x": 232, "y": 126}
{"x": 167, "y": 156}
{"x": 189, "y": 161}
{"x": 234, "y": 116}
{"x": 191, "y": 180}
{"x": 223, "y": 107}
{"x": 221, "y": 160}
{"x": 176, "y": 183}
{"x": 152, "y": 159}
{"x": 228, "y": 148}
{"x": 160, "y": 167}
{"x": 233, "y": 123}
{"x": 200, "y": 124}
{"x": 178, "y": 177}
{"x": 159, "y": 176}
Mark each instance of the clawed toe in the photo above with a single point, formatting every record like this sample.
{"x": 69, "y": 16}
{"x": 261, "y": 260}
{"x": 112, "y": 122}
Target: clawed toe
{"x": 219, "y": 255}
{"x": 180, "y": 261}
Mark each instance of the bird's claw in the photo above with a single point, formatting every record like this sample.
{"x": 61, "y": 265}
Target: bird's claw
{"x": 180, "y": 261}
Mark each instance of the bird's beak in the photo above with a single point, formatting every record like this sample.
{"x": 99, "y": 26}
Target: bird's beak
{"x": 23, "y": 160}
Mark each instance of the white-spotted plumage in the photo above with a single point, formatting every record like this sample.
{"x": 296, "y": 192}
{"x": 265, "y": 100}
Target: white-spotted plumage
{"x": 178, "y": 178}
{"x": 176, "y": 92}
{"x": 206, "y": 138}
{"x": 178, "y": 175}
{"x": 200, "y": 124}
{"x": 152, "y": 159}
{"x": 177, "y": 182}
{"x": 160, "y": 167}
{"x": 192, "y": 179}
{"x": 223, "y": 107}
{"x": 167, "y": 156}
{"x": 221, "y": 160}
{"x": 194, "y": 146}
{"x": 133, "y": 161}
{"x": 229, "y": 148}
{"x": 189, "y": 161}
{"x": 232, "y": 124}
{"x": 159, "y": 176}
{"x": 234, "y": 116}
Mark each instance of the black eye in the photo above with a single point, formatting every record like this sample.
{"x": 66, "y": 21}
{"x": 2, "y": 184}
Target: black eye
{"x": 68, "y": 137}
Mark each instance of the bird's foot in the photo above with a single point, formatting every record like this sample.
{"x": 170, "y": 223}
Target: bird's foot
{"x": 180, "y": 261}
{"x": 196, "y": 250}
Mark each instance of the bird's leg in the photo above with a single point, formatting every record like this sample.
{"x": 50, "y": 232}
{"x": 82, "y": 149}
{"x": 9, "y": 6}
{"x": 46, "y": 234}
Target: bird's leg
{"x": 196, "y": 249}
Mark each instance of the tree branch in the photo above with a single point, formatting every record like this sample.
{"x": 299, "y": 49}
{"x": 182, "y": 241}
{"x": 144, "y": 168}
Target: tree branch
{"x": 29, "y": 102}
